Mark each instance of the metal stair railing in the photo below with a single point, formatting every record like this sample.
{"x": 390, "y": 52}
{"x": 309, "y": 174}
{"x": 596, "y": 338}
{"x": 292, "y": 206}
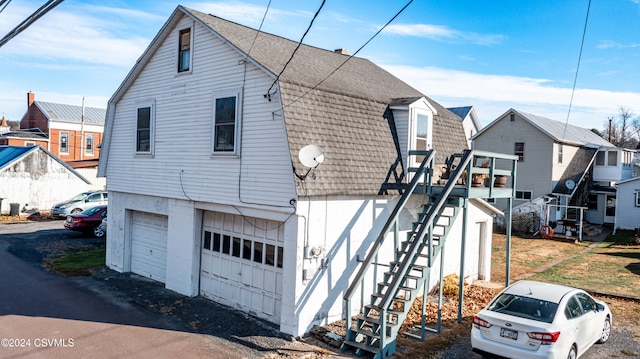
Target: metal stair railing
{"x": 409, "y": 257}
{"x": 421, "y": 170}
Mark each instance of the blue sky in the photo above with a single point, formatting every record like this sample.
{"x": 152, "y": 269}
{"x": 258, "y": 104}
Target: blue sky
{"x": 493, "y": 55}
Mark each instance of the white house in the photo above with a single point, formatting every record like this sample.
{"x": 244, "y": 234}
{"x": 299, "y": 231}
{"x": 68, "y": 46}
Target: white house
{"x": 627, "y": 215}
{"x": 207, "y": 192}
{"x": 35, "y": 178}
{"x": 470, "y": 121}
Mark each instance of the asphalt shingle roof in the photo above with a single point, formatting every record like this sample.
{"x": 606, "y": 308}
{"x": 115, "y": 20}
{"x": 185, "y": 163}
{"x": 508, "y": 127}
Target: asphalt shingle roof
{"x": 342, "y": 113}
{"x": 576, "y": 170}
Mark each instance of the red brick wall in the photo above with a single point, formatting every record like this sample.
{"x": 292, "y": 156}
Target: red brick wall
{"x": 76, "y": 145}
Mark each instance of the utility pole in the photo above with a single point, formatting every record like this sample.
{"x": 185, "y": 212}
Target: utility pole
{"x": 610, "y": 119}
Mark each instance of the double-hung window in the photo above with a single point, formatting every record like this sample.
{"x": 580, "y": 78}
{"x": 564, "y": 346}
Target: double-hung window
{"x": 64, "y": 143}
{"x": 184, "y": 50}
{"x": 637, "y": 198}
{"x": 145, "y": 118}
{"x": 226, "y": 119}
{"x": 88, "y": 144}
{"x": 519, "y": 151}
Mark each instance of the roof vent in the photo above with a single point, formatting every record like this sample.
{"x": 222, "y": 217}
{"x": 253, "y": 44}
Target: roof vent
{"x": 341, "y": 51}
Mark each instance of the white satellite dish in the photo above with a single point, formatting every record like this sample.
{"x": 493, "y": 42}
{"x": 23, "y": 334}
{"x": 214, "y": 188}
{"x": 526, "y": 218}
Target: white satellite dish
{"x": 311, "y": 156}
{"x": 570, "y": 184}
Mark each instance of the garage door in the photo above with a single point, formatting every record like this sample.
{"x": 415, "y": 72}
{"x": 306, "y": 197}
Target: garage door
{"x": 149, "y": 245}
{"x": 241, "y": 263}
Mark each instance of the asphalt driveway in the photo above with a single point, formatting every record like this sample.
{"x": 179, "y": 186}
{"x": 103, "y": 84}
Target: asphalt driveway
{"x": 110, "y": 314}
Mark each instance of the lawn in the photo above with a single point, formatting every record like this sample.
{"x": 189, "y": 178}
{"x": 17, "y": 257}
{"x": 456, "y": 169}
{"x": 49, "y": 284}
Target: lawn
{"x": 79, "y": 261}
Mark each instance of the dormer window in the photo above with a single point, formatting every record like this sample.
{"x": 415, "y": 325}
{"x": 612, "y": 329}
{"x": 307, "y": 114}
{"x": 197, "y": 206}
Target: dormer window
{"x": 184, "y": 50}
{"x": 422, "y": 131}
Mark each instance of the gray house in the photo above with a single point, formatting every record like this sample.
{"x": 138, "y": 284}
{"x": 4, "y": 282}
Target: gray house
{"x": 558, "y": 163}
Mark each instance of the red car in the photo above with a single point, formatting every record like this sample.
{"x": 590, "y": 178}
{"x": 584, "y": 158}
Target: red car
{"x": 88, "y": 221}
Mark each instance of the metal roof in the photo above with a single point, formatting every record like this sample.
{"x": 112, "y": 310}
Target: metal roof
{"x": 9, "y": 154}
{"x": 71, "y": 113}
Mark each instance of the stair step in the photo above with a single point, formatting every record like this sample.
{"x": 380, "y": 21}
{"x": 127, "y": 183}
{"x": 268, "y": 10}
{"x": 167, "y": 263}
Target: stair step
{"x": 373, "y": 320}
{"x": 378, "y": 308}
{"x": 362, "y": 346}
{"x": 366, "y": 332}
{"x": 413, "y": 266}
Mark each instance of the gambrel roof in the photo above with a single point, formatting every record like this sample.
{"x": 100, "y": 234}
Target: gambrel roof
{"x": 342, "y": 113}
{"x": 70, "y": 113}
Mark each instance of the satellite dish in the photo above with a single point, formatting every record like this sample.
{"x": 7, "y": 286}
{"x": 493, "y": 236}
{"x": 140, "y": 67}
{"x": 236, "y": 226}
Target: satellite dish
{"x": 570, "y": 184}
{"x": 311, "y": 156}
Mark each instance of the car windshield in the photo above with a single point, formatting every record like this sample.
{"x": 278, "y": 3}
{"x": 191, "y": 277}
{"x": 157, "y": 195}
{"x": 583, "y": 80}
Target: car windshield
{"x": 524, "y": 307}
{"x": 79, "y": 197}
{"x": 91, "y": 211}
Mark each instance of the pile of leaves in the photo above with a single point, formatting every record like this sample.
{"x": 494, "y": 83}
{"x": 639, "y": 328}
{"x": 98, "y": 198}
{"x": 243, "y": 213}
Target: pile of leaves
{"x": 474, "y": 299}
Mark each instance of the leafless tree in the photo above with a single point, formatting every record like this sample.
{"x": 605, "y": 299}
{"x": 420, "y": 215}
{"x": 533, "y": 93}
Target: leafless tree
{"x": 623, "y": 131}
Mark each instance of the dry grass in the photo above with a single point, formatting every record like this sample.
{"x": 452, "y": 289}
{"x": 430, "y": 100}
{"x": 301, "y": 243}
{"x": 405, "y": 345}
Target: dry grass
{"x": 527, "y": 255}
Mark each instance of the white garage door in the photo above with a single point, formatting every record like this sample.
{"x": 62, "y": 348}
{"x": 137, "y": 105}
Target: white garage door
{"x": 241, "y": 263}
{"x": 149, "y": 245}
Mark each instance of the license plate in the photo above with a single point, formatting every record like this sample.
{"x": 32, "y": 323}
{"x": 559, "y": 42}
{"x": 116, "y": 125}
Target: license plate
{"x": 511, "y": 334}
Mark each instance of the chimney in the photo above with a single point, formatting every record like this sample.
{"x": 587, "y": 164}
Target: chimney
{"x": 341, "y": 51}
{"x": 31, "y": 97}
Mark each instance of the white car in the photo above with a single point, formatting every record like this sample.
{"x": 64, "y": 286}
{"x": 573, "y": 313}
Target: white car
{"x": 540, "y": 320}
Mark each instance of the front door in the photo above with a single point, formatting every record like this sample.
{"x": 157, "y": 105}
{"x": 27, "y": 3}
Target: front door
{"x": 610, "y": 208}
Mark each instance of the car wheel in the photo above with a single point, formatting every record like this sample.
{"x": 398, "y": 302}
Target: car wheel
{"x": 76, "y": 210}
{"x": 98, "y": 231}
{"x": 572, "y": 353}
{"x": 606, "y": 331}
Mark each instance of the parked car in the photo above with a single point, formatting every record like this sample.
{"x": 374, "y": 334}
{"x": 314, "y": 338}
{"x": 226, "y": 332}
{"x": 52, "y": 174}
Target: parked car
{"x": 103, "y": 225}
{"x": 88, "y": 221}
{"x": 540, "y": 320}
{"x": 79, "y": 203}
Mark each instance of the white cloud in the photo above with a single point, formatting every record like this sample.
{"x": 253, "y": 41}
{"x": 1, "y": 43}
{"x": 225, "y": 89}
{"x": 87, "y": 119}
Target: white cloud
{"x": 492, "y": 95}
{"x": 89, "y": 40}
{"x": 443, "y": 33}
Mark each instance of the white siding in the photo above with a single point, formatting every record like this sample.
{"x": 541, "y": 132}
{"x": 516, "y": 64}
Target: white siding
{"x": 182, "y": 166}
{"x": 90, "y": 173}
{"x": 627, "y": 214}
{"x": 346, "y": 228}
{"x": 39, "y": 181}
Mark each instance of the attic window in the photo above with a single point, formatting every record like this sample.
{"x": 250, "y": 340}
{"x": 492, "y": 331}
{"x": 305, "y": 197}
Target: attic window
{"x": 184, "y": 50}
{"x": 512, "y": 117}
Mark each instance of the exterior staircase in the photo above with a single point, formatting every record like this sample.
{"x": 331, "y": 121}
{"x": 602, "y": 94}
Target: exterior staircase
{"x": 375, "y": 329}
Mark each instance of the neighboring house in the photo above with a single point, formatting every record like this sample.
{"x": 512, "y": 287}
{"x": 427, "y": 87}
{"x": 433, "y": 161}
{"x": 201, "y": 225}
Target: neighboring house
{"x": 470, "y": 120}
{"x": 74, "y": 132}
{"x": 225, "y": 207}
{"x": 569, "y": 163}
{"x": 628, "y": 204}
{"x": 35, "y": 178}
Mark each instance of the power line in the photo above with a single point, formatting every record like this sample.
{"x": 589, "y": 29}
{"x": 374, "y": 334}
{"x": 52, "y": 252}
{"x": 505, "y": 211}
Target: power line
{"x": 268, "y": 95}
{"x": 5, "y": 2}
{"x": 30, "y": 20}
{"x": 350, "y": 57}
{"x": 575, "y": 79}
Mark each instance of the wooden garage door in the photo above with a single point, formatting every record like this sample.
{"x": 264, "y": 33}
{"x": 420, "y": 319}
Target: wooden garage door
{"x": 241, "y": 263}
{"x": 149, "y": 245}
